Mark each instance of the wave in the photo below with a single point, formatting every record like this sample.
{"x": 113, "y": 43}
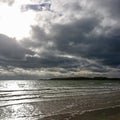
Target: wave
{"x": 86, "y": 114}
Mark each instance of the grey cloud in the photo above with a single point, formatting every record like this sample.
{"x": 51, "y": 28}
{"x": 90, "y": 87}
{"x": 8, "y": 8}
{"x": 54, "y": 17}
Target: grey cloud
{"x": 43, "y": 62}
{"x": 50, "y": 65}
{"x": 73, "y": 6}
{"x": 84, "y": 37}
{"x": 38, "y": 38}
{"x": 11, "y": 49}
{"x": 111, "y": 7}
{"x": 77, "y": 38}
{"x": 9, "y": 2}
{"x": 73, "y": 39}
{"x": 75, "y": 31}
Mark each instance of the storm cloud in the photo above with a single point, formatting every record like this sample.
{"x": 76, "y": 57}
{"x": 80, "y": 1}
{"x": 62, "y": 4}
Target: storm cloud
{"x": 77, "y": 38}
{"x": 110, "y": 7}
{"x": 10, "y": 49}
{"x": 84, "y": 41}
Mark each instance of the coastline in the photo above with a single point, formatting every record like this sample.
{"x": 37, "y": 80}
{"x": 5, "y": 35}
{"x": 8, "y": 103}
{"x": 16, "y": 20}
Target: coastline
{"x": 85, "y": 78}
{"x": 103, "y": 114}
{"x": 60, "y": 100}
{"x": 112, "y": 113}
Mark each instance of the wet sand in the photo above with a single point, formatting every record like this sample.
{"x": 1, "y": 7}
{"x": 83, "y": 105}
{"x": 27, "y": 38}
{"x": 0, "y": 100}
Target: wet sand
{"x": 60, "y": 100}
{"x": 103, "y": 114}
{"x": 95, "y": 107}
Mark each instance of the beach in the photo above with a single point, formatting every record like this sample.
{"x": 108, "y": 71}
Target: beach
{"x": 59, "y": 100}
{"x": 102, "y": 114}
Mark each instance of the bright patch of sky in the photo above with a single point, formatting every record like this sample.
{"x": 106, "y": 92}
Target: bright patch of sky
{"x": 14, "y": 22}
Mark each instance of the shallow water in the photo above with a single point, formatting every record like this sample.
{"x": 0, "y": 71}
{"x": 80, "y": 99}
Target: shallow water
{"x": 52, "y": 99}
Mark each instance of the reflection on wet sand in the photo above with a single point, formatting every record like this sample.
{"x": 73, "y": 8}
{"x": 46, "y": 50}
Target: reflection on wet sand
{"x": 59, "y": 100}
{"x": 103, "y": 114}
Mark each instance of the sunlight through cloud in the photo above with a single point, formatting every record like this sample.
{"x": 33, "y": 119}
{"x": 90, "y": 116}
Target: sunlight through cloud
{"x": 13, "y": 22}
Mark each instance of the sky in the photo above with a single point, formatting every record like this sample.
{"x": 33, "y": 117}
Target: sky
{"x": 58, "y": 38}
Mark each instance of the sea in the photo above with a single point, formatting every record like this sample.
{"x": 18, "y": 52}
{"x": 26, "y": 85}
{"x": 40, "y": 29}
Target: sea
{"x": 59, "y": 100}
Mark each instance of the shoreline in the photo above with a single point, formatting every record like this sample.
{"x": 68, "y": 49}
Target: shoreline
{"x": 84, "y": 78}
{"x": 112, "y": 113}
{"x": 103, "y": 114}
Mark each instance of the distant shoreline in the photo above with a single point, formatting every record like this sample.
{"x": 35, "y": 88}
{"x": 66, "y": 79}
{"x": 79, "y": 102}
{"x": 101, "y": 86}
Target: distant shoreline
{"x": 84, "y": 78}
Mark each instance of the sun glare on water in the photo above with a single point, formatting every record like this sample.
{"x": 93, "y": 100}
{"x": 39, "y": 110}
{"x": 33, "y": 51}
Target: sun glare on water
{"x": 14, "y": 22}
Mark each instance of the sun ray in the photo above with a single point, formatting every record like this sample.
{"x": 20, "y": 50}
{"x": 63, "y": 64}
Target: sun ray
{"x": 13, "y": 22}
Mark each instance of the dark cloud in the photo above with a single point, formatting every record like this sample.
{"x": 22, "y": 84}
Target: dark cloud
{"x": 76, "y": 39}
{"x": 85, "y": 38}
{"x": 38, "y": 38}
{"x": 109, "y": 6}
{"x": 43, "y": 62}
{"x": 11, "y": 49}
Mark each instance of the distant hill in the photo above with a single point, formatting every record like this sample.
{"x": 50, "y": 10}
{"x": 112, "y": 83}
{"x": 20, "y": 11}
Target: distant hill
{"x": 84, "y": 78}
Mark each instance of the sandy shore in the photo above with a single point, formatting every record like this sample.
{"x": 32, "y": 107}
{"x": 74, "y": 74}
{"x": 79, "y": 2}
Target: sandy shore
{"x": 103, "y": 114}
{"x": 60, "y": 100}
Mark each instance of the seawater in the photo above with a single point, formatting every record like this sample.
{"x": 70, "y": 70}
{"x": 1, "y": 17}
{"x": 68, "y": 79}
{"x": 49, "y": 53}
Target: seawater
{"x": 44, "y": 99}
